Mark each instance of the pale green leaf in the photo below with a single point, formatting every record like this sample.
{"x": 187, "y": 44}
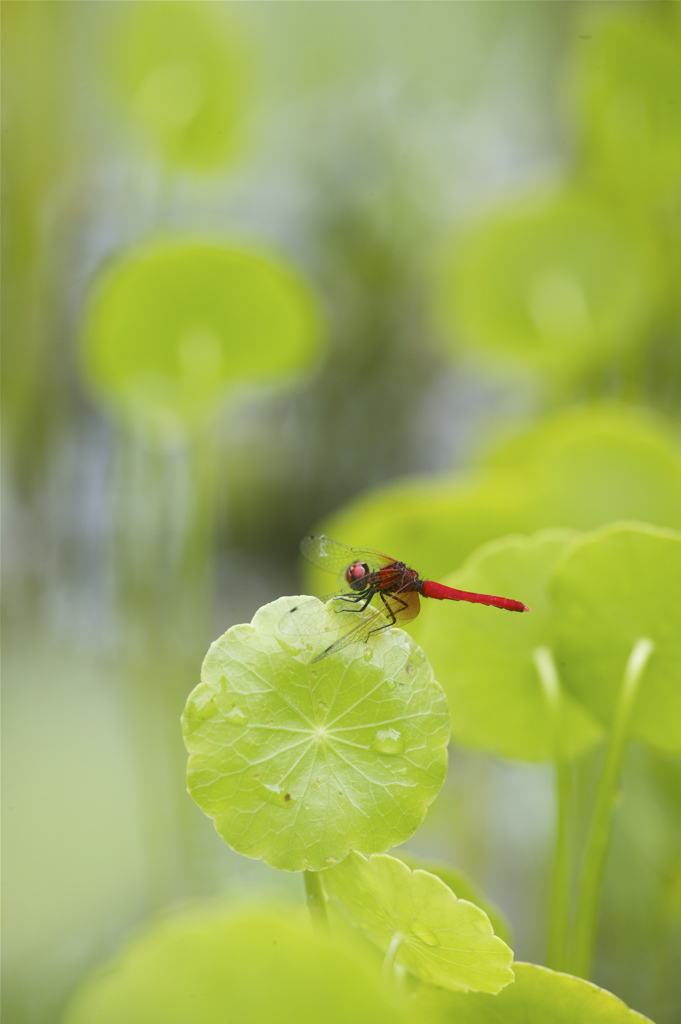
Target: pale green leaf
{"x": 441, "y": 939}
{"x": 558, "y": 281}
{"x": 300, "y": 763}
{"x": 587, "y": 467}
{"x": 182, "y": 75}
{"x": 485, "y": 658}
{"x": 214, "y": 967}
{"x": 463, "y": 887}
{"x": 611, "y": 589}
{"x": 581, "y": 469}
{"x": 539, "y": 996}
{"x": 627, "y": 82}
{"x": 176, "y": 323}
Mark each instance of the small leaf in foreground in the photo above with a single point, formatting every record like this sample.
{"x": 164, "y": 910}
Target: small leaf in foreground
{"x": 292, "y": 760}
{"x": 439, "y": 938}
{"x": 539, "y": 996}
{"x": 213, "y": 967}
{"x": 463, "y": 888}
{"x": 611, "y": 589}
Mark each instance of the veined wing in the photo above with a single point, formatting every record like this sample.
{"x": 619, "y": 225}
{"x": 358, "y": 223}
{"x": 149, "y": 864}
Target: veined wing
{"x": 396, "y": 608}
{"x": 335, "y": 558}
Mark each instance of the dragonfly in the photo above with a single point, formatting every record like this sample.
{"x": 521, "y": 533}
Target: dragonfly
{"x": 391, "y": 588}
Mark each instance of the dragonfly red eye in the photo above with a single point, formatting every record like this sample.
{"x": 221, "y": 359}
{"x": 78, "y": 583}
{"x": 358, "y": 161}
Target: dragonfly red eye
{"x": 357, "y": 571}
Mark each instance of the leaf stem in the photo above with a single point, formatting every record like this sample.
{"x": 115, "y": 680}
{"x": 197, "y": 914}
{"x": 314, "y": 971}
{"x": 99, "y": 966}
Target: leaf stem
{"x": 559, "y": 913}
{"x": 316, "y": 900}
{"x": 599, "y": 835}
{"x": 388, "y": 969}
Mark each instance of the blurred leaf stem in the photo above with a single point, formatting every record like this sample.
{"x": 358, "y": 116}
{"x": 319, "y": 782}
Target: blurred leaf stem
{"x": 599, "y": 834}
{"x": 559, "y": 914}
{"x": 166, "y": 510}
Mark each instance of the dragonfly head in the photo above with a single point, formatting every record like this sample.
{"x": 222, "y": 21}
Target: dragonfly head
{"x": 356, "y": 575}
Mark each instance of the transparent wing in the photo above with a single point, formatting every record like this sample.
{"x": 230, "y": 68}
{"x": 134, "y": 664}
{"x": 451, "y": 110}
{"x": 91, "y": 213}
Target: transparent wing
{"x": 359, "y": 634}
{"x": 334, "y": 557}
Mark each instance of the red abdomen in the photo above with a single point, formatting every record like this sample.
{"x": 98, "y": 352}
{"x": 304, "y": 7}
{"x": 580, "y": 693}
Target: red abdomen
{"x": 442, "y": 593}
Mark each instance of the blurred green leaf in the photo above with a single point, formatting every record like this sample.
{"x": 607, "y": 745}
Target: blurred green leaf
{"x": 430, "y": 522}
{"x": 559, "y": 283}
{"x": 214, "y": 967}
{"x": 627, "y": 85}
{"x": 539, "y": 996}
{"x": 300, "y": 764}
{"x": 585, "y": 468}
{"x": 463, "y": 888}
{"x": 439, "y": 938}
{"x": 611, "y": 589}
{"x": 183, "y": 77}
{"x": 581, "y": 469}
{"x": 176, "y": 323}
{"x": 484, "y": 658}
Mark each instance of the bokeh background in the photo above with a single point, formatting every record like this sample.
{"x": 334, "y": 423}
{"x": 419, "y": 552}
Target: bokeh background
{"x": 405, "y": 272}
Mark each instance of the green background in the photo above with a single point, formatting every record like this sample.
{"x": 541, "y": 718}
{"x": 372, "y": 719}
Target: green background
{"x": 403, "y": 273}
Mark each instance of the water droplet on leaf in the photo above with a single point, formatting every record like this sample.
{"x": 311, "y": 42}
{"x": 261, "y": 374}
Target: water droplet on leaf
{"x": 388, "y": 741}
{"x": 235, "y": 716}
{"x": 287, "y": 647}
{"x": 205, "y": 711}
{"x": 367, "y": 654}
{"x": 278, "y": 795}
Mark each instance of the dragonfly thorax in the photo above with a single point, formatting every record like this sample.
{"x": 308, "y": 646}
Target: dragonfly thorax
{"x": 356, "y": 574}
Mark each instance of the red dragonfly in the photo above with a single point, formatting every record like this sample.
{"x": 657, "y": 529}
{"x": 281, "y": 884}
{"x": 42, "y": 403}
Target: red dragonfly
{"x": 368, "y": 575}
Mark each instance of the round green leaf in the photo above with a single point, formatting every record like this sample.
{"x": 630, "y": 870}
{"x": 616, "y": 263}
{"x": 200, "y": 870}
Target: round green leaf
{"x": 182, "y": 76}
{"x": 464, "y": 889}
{"x": 213, "y": 967}
{"x": 176, "y": 323}
{"x": 539, "y": 996}
{"x": 582, "y": 469}
{"x": 558, "y": 282}
{"x": 485, "y": 658}
{"x": 587, "y": 467}
{"x": 300, "y": 763}
{"x": 611, "y": 589}
{"x": 628, "y": 82}
{"x": 442, "y": 939}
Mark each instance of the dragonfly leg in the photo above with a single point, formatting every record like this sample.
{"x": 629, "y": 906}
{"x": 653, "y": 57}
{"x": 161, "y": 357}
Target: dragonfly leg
{"x": 389, "y": 609}
{"x": 365, "y": 596}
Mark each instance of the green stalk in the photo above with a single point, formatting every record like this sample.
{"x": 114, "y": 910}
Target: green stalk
{"x": 599, "y": 835}
{"x": 316, "y": 900}
{"x": 559, "y": 912}
{"x": 388, "y": 969}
